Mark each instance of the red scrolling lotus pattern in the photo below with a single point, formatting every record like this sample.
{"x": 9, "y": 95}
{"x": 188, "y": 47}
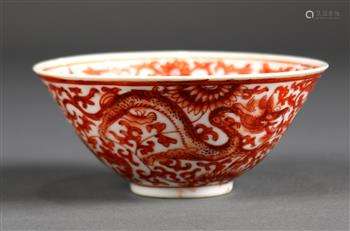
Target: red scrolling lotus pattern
{"x": 184, "y": 134}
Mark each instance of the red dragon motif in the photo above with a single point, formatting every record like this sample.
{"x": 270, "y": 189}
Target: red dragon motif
{"x": 184, "y": 134}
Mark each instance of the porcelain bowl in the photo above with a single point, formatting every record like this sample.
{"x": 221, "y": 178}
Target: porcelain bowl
{"x": 180, "y": 123}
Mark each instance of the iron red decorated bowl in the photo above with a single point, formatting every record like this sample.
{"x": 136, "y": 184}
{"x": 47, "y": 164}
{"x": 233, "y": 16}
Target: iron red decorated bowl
{"x": 180, "y": 123}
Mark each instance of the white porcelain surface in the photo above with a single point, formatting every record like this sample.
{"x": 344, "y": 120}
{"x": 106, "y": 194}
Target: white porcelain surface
{"x": 193, "y": 192}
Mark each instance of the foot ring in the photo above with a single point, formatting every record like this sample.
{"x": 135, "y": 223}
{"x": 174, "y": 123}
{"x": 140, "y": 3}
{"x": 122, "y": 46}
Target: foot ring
{"x": 190, "y": 192}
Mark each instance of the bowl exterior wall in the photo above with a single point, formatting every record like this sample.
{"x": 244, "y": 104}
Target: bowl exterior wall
{"x": 181, "y": 134}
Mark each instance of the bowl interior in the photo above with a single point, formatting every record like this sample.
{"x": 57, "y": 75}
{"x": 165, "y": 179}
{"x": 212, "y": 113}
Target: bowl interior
{"x": 192, "y": 65}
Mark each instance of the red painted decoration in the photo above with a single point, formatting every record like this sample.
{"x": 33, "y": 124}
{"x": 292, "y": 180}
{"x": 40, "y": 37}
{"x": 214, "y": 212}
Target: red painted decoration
{"x": 181, "y": 134}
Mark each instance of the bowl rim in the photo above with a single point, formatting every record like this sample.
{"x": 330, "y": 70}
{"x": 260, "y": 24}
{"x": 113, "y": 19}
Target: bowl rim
{"x": 318, "y": 66}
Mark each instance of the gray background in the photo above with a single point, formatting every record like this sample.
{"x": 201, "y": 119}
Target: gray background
{"x": 52, "y": 182}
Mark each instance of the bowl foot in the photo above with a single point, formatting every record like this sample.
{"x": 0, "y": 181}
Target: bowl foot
{"x": 190, "y": 192}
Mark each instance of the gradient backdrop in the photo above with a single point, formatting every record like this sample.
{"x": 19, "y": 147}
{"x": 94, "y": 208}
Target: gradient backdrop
{"x": 51, "y": 181}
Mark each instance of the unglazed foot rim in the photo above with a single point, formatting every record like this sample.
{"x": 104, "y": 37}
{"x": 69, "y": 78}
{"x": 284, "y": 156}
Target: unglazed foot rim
{"x": 190, "y": 192}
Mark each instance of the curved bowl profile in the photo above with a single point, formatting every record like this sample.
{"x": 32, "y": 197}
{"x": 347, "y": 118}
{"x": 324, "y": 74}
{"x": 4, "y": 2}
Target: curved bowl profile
{"x": 180, "y": 123}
